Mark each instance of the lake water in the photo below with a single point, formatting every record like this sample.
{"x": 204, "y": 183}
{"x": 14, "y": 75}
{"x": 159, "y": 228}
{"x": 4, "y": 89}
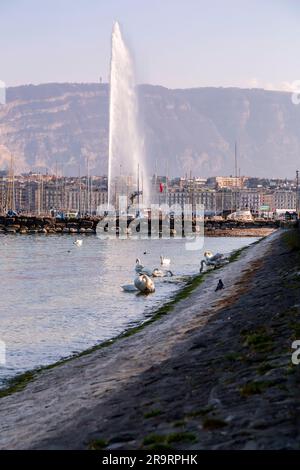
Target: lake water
{"x": 57, "y": 299}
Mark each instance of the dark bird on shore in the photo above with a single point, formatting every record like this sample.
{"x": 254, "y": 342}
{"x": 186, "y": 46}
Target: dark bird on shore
{"x": 220, "y": 285}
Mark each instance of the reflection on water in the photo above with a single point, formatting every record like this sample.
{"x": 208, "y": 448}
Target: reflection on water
{"x": 58, "y": 299}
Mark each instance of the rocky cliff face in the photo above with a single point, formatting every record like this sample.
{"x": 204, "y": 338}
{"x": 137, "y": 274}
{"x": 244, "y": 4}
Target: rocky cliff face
{"x": 186, "y": 130}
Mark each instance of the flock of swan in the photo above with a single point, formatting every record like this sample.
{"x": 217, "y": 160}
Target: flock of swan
{"x": 143, "y": 281}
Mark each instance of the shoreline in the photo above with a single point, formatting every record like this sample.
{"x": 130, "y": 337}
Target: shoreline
{"x": 19, "y": 381}
{"x": 240, "y": 232}
{"x": 47, "y": 225}
{"x": 108, "y": 370}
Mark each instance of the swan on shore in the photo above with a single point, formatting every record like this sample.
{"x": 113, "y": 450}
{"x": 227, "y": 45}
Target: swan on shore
{"x": 164, "y": 261}
{"x": 78, "y": 242}
{"x": 212, "y": 260}
{"x": 144, "y": 284}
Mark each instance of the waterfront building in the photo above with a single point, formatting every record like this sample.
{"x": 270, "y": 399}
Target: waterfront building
{"x": 250, "y": 199}
{"x": 284, "y": 199}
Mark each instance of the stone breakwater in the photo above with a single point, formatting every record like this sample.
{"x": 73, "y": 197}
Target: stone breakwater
{"x": 87, "y": 225}
{"x": 47, "y": 225}
{"x": 213, "y": 373}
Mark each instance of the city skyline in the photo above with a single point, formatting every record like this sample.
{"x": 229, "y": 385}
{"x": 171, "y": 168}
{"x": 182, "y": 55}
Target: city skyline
{"x": 43, "y": 194}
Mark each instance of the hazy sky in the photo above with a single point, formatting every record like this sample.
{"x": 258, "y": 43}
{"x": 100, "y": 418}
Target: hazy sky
{"x": 176, "y": 43}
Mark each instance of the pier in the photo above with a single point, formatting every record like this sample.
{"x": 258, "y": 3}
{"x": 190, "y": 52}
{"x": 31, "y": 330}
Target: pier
{"x": 47, "y": 225}
{"x": 31, "y": 224}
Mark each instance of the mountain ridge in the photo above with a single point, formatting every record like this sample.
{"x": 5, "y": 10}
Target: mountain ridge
{"x": 188, "y": 130}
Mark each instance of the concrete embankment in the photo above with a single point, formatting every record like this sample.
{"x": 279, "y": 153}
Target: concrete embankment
{"x": 215, "y": 372}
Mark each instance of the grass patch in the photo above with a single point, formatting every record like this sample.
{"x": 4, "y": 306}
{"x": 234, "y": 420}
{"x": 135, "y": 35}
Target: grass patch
{"x": 264, "y": 368}
{"x": 98, "y": 444}
{"x": 200, "y": 412}
{"x": 292, "y": 239}
{"x": 254, "y": 388}
{"x": 160, "y": 447}
{"x": 167, "y": 439}
{"x": 234, "y": 356}
{"x": 291, "y": 369}
{"x": 295, "y": 327}
{"x": 152, "y": 414}
{"x": 154, "y": 439}
{"x": 17, "y": 384}
{"x": 181, "y": 437}
{"x": 210, "y": 424}
{"x": 258, "y": 340}
{"x": 179, "y": 424}
{"x": 236, "y": 254}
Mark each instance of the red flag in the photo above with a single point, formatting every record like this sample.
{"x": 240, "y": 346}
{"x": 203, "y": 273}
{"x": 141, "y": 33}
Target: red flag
{"x": 161, "y": 188}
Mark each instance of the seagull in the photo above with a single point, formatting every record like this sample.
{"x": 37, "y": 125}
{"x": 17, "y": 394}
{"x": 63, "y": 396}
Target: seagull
{"x": 220, "y": 285}
{"x": 78, "y": 242}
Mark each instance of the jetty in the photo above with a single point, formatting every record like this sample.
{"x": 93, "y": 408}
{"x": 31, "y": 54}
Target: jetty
{"x": 24, "y": 225}
{"x": 32, "y": 224}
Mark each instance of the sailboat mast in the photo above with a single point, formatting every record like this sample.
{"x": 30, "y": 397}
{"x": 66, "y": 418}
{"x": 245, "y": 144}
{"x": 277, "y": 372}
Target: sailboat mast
{"x": 236, "y": 174}
{"x": 79, "y": 205}
{"x": 138, "y": 186}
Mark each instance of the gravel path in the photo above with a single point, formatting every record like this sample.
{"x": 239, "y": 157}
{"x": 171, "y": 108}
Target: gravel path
{"x": 187, "y": 380}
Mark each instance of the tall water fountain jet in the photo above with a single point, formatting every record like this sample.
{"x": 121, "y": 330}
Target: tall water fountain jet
{"x": 126, "y": 153}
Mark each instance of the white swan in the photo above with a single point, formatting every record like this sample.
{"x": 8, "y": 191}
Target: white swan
{"x": 144, "y": 284}
{"x": 138, "y": 265}
{"x": 129, "y": 288}
{"x": 164, "y": 261}
{"x": 78, "y": 242}
{"x": 159, "y": 273}
{"x": 212, "y": 260}
{"x": 140, "y": 269}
